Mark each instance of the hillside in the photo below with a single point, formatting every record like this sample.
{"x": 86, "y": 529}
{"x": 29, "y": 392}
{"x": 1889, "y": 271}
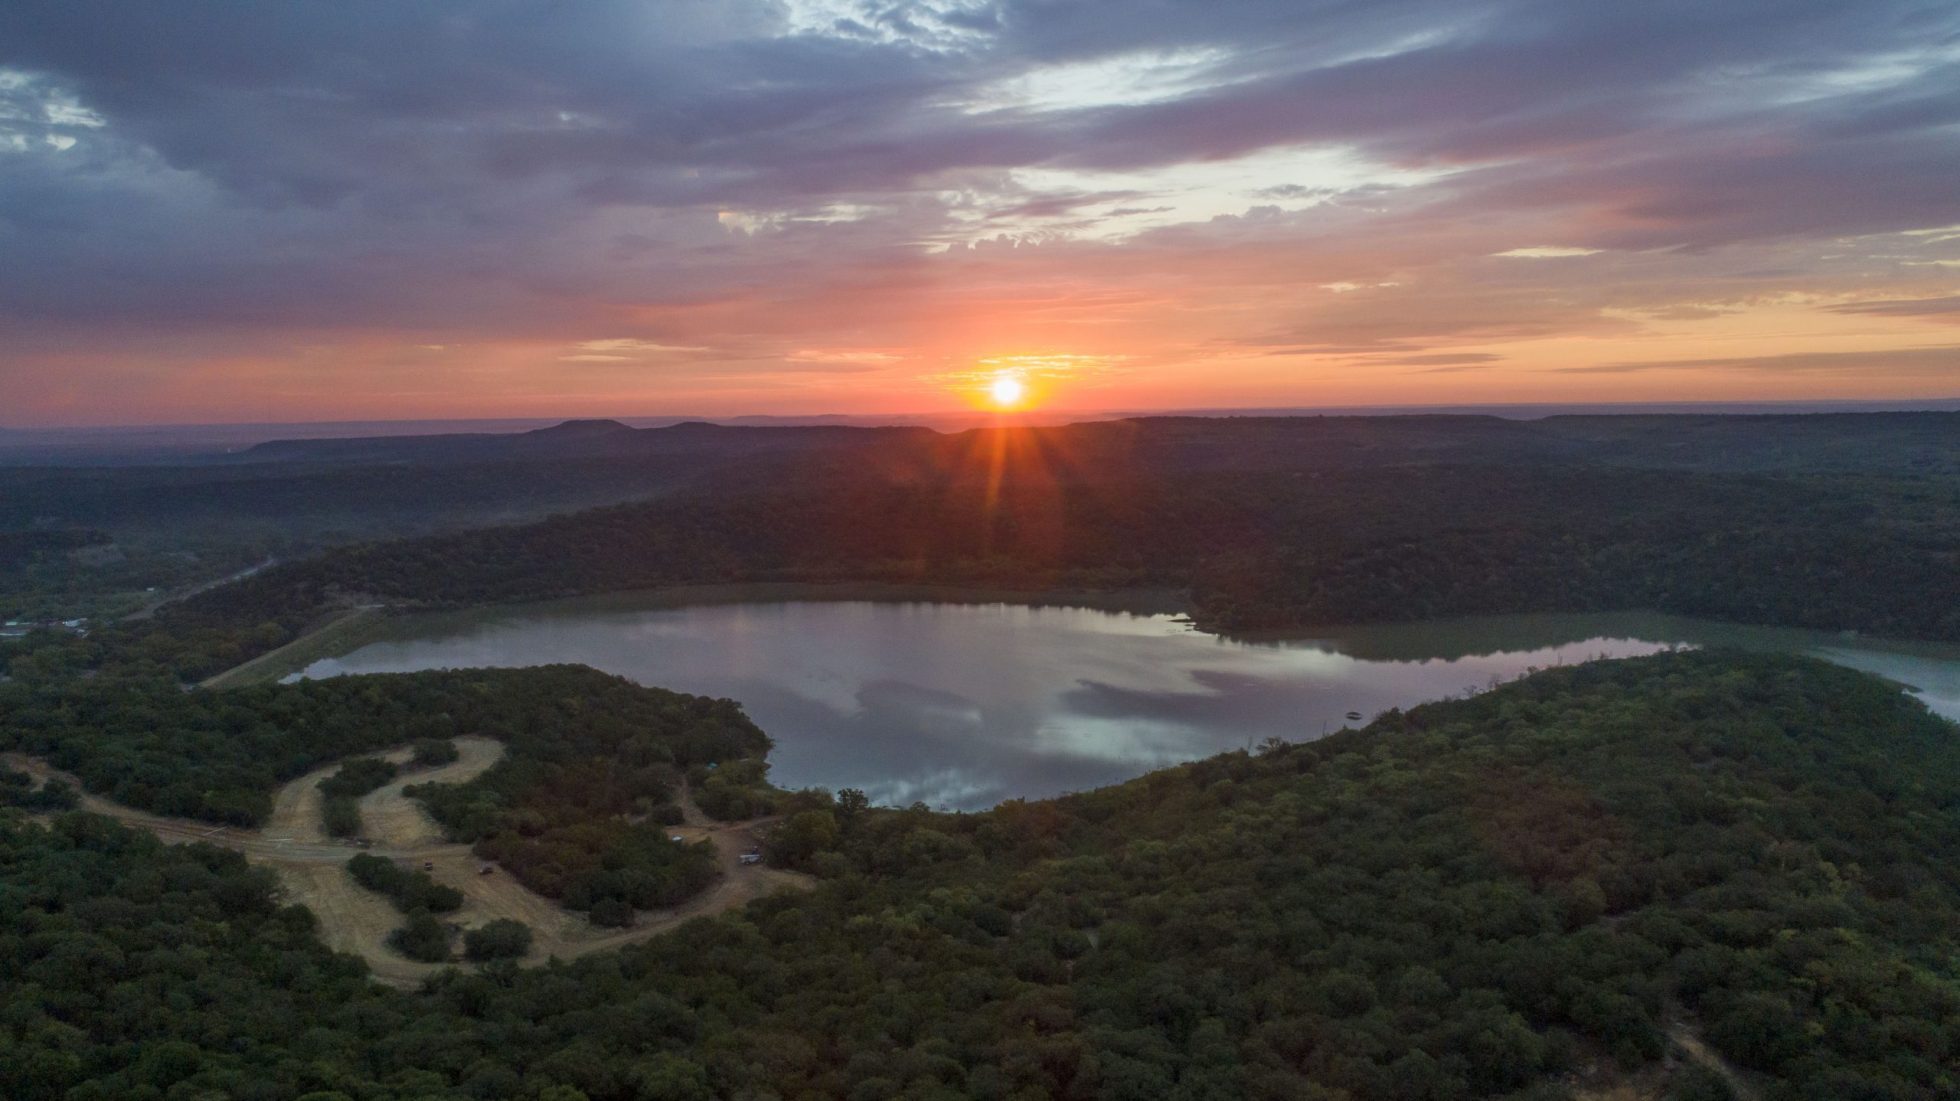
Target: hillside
{"x": 1521, "y": 894}
{"x": 1276, "y": 550}
{"x": 175, "y": 526}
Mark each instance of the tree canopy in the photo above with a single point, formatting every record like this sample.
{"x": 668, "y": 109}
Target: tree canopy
{"x": 1481, "y": 897}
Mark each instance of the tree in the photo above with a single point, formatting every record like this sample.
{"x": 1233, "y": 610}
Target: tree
{"x": 851, "y": 805}
{"x": 801, "y": 837}
{"x": 424, "y": 938}
{"x": 429, "y": 752}
{"x": 613, "y": 913}
{"x": 497, "y": 940}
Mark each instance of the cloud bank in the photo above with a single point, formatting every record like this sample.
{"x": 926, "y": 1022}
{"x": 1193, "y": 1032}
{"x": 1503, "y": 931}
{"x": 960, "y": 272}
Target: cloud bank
{"x": 244, "y": 210}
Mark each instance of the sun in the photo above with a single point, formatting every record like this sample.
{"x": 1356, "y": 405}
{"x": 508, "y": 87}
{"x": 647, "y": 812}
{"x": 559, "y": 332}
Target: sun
{"x": 1006, "y": 391}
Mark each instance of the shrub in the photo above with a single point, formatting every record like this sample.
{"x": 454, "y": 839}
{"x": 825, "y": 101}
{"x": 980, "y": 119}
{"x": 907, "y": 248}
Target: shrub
{"x": 340, "y": 814}
{"x": 424, "y": 938}
{"x": 502, "y": 939}
{"x": 358, "y": 777}
{"x": 612, "y": 912}
{"x": 409, "y": 889}
{"x": 341, "y": 817}
{"x": 17, "y": 790}
{"x": 429, "y": 752}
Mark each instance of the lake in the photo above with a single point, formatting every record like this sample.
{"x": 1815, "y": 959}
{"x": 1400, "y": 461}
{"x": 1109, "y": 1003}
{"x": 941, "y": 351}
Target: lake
{"x": 963, "y": 705}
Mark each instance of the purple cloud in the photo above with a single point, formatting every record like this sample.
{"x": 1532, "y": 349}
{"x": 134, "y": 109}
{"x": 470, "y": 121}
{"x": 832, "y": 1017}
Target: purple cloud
{"x": 772, "y": 177}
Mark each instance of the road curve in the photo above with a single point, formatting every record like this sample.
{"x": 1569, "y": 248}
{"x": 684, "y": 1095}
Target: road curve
{"x": 352, "y": 919}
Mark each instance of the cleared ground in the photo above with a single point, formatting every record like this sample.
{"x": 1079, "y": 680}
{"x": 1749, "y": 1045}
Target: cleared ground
{"x": 354, "y": 919}
{"x": 337, "y": 634}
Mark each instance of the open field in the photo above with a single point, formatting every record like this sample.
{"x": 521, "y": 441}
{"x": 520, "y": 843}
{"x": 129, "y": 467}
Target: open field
{"x": 353, "y": 919}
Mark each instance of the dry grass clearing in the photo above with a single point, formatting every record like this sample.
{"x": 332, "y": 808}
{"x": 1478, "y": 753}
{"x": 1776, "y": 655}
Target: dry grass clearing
{"x": 354, "y": 919}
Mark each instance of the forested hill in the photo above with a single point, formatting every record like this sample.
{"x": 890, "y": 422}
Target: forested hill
{"x": 584, "y": 439}
{"x": 1546, "y": 889}
{"x": 1891, "y": 444}
{"x": 1897, "y": 443}
{"x": 175, "y": 526}
{"x": 1259, "y": 551}
{"x": 218, "y": 756}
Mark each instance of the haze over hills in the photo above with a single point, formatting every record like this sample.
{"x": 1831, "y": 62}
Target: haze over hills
{"x": 571, "y": 439}
{"x": 291, "y": 497}
{"x": 118, "y": 445}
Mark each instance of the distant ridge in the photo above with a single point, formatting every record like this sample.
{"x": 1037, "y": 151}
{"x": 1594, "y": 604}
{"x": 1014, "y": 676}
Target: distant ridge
{"x": 573, "y": 439}
{"x": 202, "y": 443}
{"x": 596, "y": 426}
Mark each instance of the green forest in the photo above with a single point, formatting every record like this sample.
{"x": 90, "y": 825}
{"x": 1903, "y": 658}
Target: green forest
{"x": 408, "y": 889}
{"x": 577, "y": 810}
{"x": 1558, "y": 888}
{"x": 1822, "y": 522}
{"x": 340, "y": 793}
{"x": 219, "y": 755}
{"x": 1517, "y": 894}
{"x": 1254, "y": 551}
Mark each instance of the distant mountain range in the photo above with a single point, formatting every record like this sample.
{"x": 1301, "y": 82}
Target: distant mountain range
{"x": 120, "y": 445}
{"x": 575, "y": 439}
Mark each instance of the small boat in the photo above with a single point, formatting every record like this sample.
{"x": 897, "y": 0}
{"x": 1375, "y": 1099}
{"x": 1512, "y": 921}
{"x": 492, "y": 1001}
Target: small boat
{"x": 1354, "y": 716}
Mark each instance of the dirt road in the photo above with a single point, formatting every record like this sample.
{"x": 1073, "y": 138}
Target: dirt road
{"x": 1701, "y": 1053}
{"x": 353, "y": 919}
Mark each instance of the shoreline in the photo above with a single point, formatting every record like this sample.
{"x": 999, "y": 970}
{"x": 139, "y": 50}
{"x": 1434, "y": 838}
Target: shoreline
{"x": 346, "y": 631}
{"x": 1445, "y": 638}
{"x": 339, "y": 633}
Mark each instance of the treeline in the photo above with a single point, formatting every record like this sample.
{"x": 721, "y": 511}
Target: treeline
{"x": 20, "y": 549}
{"x": 219, "y": 755}
{"x": 605, "y": 868}
{"x": 1816, "y": 522}
{"x": 1001, "y": 499}
{"x": 1256, "y": 550}
{"x": 576, "y": 810}
{"x": 54, "y": 574}
{"x": 1516, "y": 895}
{"x": 410, "y": 890}
{"x": 340, "y": 808}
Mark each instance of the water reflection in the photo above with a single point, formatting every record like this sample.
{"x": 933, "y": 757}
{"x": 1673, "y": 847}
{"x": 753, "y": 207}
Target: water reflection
{"x": 962, "y": 705}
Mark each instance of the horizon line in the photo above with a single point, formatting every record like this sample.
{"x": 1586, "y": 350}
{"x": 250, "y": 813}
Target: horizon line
{"x": 1906, "y": 404}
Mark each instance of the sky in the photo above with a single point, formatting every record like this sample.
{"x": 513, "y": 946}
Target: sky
{"x": 307, "y": 211}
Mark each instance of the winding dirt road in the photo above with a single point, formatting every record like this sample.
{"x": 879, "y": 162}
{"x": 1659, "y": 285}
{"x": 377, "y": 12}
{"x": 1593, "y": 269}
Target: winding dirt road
{"x": 353, "y": 919}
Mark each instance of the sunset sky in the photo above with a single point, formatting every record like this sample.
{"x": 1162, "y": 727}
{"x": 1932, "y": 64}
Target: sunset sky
{"x": 271, "y": 211}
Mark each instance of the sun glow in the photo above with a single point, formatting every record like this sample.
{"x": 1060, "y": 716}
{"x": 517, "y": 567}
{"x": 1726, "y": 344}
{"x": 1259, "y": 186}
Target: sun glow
{"x": 1007, "y": 391}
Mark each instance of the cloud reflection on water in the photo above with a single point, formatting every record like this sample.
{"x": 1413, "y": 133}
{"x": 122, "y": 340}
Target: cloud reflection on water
{"x": 960, "y": 706}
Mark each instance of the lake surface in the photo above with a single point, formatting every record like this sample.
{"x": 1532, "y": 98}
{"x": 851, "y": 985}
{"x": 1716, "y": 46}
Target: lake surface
{"x": 963, "y": 705}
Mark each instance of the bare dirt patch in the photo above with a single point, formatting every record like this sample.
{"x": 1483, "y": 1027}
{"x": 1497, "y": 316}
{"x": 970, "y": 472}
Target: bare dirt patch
{"x": 393, "y": 820}
{"x": 1700, "y": 1052}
